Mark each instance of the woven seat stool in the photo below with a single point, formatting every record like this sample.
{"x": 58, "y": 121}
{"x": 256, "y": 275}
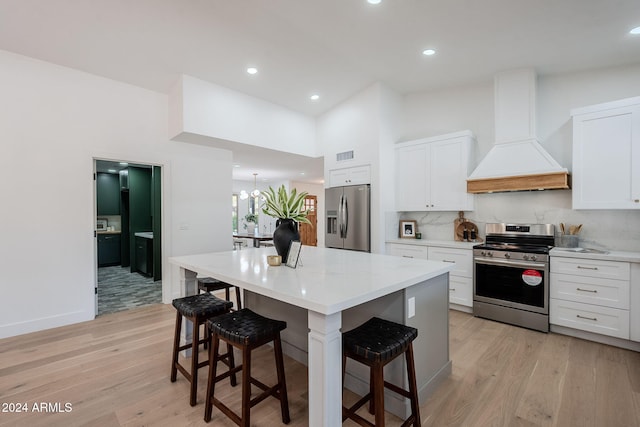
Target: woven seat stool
{"x": 209, "y": 284}
{"x": 375, "y": 343}
{"x": 246, "y": 331}
{"x": 198, "y": 309}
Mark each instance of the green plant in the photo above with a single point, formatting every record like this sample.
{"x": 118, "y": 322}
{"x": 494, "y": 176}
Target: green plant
{"x": 251, "y": 218}
{"x": 285, "y": 206}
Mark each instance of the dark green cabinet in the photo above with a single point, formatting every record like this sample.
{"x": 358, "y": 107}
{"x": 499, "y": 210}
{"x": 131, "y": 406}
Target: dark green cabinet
{"x": 144, "y": 255}
{"x": 108, "y": 193}
{"x": 108, "y": 249}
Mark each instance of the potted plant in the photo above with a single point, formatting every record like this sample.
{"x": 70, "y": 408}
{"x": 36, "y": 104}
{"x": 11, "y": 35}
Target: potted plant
{"x": 288, "y": 209}
{"x": 252, "y": 218}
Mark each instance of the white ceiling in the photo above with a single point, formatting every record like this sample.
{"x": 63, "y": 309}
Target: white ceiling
{"x": 334, "y": 48}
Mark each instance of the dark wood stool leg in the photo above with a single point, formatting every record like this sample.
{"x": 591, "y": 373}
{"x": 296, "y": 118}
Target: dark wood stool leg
{"x": 226, "y": 293}
{"x": 378, "y": 393}
{"x": 176, "y": 344}
{"x": 238, "y": 300}
{"x": 211, "y": 383}
{"x": 282, "y": 382}
{"x": 372, "y": 384}
{"x": 413, "y": 388}
{"x": 246, "y": 387}
{"x": 194, "y": 361}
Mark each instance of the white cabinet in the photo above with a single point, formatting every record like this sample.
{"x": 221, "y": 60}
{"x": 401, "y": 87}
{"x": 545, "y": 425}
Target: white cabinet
{"x": 356, "y": 175}
{"x": 591, "y": 295}
{"x": 606, "y": 155}
{"x": 431, "y": 173}
{"x": 408, "y": 251}
{"x": 460, "y": 278}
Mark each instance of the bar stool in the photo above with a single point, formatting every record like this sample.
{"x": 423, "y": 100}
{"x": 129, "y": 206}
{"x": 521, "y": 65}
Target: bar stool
{"x": 247, "y": 331}
{"x": 198, "y": 309}
{"x": 375, "y": 343}
{"x": 209, "y": 284}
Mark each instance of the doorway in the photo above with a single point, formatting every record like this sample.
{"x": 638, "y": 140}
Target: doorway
{"x": 309, "y": 232}
{"x": 128, "y": 235}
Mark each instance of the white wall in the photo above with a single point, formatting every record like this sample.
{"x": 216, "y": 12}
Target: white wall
{"x": 202, "y": 108}
{"x": 53, "y": 122}
{"x": 443, "y": 111}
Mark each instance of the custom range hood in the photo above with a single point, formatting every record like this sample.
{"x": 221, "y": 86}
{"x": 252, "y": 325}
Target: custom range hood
{"x": 517, "y": 161}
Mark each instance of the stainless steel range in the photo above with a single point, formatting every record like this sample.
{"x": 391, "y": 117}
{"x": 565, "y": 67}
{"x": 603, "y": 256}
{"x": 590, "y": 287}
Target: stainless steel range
{"x": 511, "y": 274}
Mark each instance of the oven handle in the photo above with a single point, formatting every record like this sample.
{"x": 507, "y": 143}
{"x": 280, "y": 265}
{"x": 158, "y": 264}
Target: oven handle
{"x": 509, "y": 263}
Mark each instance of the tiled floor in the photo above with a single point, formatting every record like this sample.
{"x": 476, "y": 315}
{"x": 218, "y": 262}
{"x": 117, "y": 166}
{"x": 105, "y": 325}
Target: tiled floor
{"x": 119, "y": 289}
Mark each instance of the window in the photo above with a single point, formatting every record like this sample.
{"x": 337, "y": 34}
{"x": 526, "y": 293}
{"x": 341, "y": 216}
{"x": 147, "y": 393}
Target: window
{"x": 234, "y": 212}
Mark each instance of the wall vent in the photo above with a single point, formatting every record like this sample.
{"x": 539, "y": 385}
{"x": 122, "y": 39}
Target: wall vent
{"x": 346, "y": 155}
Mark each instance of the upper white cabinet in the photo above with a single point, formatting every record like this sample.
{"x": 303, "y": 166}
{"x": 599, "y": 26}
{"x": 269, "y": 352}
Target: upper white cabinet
{"x": 431, "y": 173}
{"x": 356, "y": 175}
{"x": 606, "y": 155}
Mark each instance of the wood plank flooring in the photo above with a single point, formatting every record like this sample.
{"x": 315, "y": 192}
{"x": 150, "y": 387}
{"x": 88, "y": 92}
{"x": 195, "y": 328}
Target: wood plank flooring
{"x": 114, "y": 371}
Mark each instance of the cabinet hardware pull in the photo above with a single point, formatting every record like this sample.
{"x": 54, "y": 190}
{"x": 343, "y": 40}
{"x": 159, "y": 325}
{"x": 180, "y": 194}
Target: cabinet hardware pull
{"x": 587, "y": 290}
{"x": 407, "y": 256}
{"x": 452, "y": 290}
{"x": 595, "y": 319}
{"x": 447, "y": 260}
{"x": 636, "y": 200}
{"x": 587, "y": 268}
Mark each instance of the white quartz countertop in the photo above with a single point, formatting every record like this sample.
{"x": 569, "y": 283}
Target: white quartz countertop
{"x": 439, "y": 243}
{"x": 326, "y": 280}
{"x": 585, "y": 253}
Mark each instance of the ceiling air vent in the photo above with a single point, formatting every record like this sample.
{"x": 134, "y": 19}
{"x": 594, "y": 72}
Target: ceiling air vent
{"x": 346, "y": 155}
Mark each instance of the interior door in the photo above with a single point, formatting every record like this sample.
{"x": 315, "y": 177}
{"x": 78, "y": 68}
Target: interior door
{"x": 309, "y": 232}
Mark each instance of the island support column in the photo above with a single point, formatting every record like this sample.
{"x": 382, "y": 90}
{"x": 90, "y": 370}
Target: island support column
{"x": 325, "y": 369}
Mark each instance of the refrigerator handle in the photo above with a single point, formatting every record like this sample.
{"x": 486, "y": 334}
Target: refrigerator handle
{"x": 345, "y": 216}
{"x": 340, "y": 216}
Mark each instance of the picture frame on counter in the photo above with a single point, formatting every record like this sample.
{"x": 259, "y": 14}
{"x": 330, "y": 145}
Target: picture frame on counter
{"x": 294, "y": 254}
{"x": 408, "y": 228}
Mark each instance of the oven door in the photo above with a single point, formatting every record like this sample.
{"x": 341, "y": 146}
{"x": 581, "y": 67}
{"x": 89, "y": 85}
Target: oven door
{"x": 517, "y": 284}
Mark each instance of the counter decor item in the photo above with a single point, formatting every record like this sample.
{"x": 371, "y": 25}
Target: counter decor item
{"x": 408, "y": 228}
{"x": 569, "y": 236}
{"x": 288, "y": 208}
{"x": 465, "y": 230}
{"x": 274, "y": 260}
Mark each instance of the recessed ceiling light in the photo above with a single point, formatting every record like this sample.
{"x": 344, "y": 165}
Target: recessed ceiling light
{"x": 236, "y": 166}
{"x": 112, "y": 171}
{"x": 374, "y": 1}
{"x": 428, "y": 52}
{"x": 302, "y": 173}
{"x": 252, "y": 70}
{"x": 124, "y": 163}
{"x": 314, "y": 97}
{"x": 635, "y": 31}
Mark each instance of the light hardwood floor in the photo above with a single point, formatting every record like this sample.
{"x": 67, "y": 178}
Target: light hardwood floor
{"x": 114, "y": 371}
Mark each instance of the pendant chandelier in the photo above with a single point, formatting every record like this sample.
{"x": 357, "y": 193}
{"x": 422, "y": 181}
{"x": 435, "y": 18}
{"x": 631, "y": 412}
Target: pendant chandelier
{"x": 255, "y": 193}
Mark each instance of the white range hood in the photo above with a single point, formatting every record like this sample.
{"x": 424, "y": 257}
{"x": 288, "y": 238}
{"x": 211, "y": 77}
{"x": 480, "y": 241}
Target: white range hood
{"x": 517, "y": 161}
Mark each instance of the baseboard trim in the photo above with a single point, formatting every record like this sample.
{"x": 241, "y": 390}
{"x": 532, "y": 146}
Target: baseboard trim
{"x": 43, "y": 323}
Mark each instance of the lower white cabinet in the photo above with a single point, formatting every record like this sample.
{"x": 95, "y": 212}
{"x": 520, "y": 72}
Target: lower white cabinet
{"x": 460, "y": 278}
{"x": 589, "y": 317}
{"x": 591, "y": 295}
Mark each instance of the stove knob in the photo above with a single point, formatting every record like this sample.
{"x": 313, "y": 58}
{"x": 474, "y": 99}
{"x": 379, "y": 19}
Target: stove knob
{"x": 533, "y": 257}
{"x": 507, "y": 255}
{"x": 483, "y": 253}
{"x": 489, "y": 254}
{"x": 525, "y": 257}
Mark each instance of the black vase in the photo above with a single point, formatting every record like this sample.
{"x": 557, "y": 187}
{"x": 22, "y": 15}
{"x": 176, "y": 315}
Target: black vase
{"x": 286, "y": 231}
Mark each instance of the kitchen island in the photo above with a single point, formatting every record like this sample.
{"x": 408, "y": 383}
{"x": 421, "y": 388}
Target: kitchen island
{"x": 333, "y": 289}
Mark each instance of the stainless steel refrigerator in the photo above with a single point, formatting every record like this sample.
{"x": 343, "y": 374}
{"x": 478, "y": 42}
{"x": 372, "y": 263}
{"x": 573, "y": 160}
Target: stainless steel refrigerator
{"x": 348, "y": 219}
